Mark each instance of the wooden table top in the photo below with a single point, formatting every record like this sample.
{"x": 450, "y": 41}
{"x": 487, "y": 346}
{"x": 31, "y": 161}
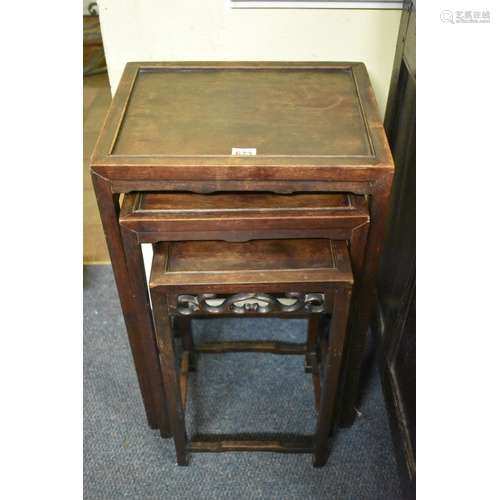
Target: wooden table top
{"x": 211, "y": 263}
{"x": 191, "y": 120}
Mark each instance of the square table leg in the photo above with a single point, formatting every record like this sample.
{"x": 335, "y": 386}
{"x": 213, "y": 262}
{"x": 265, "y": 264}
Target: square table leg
{"x": 364, "y": 299}
{"x": 170, "y": 372}
{"x": 313, "y": 325}
{"x": 184, "y": 327}
{"x": 134, "y": 301}
{"x": 336, "y": 340}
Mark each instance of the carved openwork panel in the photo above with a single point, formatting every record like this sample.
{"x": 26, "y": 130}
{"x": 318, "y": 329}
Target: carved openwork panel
{"x": 242, "y": 303}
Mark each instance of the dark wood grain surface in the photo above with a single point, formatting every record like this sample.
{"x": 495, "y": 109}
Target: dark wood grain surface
{"x": 211, "y": 263}
{"x": 253, "y": 256}
{"x": 220, "y": 204}
{"x": 185, "y": 118}
{"x": 208, "y": 112}
{"x": 160, "y": 216}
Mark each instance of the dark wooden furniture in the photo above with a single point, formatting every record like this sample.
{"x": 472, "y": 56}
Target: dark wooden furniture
{"x": 286, "y": 278}
{"x": 172, "y": 127}
{"x": 396, "y": 282}
{"x": 152, "y": 217}
{"x": 244, "y": 216}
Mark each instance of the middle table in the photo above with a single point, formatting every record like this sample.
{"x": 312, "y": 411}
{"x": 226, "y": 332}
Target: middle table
{"x": 154, "y": 217}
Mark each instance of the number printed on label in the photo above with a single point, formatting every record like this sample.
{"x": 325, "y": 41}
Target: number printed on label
{"x": 244, "y": 151}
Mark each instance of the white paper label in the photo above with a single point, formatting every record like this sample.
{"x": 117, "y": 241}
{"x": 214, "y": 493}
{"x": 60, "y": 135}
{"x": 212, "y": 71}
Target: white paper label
{"x": 244, "y": 151}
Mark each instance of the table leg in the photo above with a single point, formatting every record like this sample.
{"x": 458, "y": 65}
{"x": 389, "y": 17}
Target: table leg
{"x": 170, "y": 372}
{"x": 364, "y": 295}
{"x": 311, "y": 342}
{"x": 184, "y": 326}
{"x": 357, "y": 248}
{"x": 135, "y": 306}
{"x": 336, "y": 338}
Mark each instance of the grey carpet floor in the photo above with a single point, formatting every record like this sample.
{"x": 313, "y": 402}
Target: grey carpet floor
{"x": 229, "y": 393}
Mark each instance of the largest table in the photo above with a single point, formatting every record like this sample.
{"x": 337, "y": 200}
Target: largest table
{"x": 172, "y": 126}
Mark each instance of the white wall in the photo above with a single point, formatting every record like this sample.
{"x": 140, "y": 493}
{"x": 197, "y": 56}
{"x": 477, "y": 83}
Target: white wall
{"x": 198, "y": 30}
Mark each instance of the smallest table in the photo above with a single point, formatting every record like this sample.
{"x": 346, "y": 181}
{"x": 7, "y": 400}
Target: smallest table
{"x": 284, "y": 278}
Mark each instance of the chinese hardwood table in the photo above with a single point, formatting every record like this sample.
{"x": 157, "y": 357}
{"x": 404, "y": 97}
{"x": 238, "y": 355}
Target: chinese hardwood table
{"x": 152, "y": 217}
{"x": 283, "y": 278}
{"x": 205, "y": 127}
